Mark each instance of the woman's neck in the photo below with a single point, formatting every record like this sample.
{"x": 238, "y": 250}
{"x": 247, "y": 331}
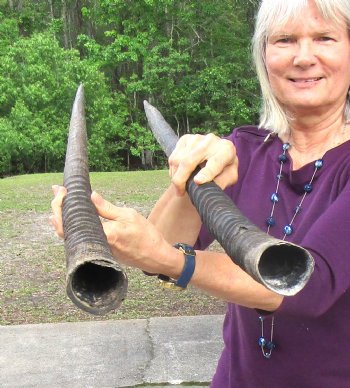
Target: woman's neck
{"x": 311, "y": 138}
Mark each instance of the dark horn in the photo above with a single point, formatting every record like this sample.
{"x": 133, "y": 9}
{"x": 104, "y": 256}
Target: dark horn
{"x": 280, "y": 266}
{"x": 95, "y": 282}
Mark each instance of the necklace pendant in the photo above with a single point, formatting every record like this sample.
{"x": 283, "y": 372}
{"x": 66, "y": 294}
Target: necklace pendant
{"x": 297, "y": 209}
{"x": 270, "y": 221}
{"x": 266, "y": 346}
{"x": 262, "y": 341}
{"x": 274, "y": 197}
{"x": 308, "y": 188}
{"x": 283, "y": 158}
{"x": 319, "y": 164}
{"x": 288, "y": 230}
{"x": 285, "y": 147}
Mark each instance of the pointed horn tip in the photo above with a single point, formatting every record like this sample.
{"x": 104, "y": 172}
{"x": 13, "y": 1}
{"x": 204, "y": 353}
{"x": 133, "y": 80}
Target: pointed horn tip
{"x": 149, "y": 107}
{"x": 80, "y": 89}
{"x": 80, "y": 95}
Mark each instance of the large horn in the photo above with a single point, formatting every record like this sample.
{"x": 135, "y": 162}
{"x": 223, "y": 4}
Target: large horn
{"x": 280, "y": 266}
{"x": 95, "y": 282}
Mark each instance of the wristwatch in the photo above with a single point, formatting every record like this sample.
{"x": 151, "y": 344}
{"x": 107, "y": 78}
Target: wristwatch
{"x": 187, "y": 271}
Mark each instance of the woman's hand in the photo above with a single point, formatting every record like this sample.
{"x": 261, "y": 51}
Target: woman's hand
{"x": 216, "y": 156}
{"x": 132, "y": 238}
{"x": 56, "y": 206}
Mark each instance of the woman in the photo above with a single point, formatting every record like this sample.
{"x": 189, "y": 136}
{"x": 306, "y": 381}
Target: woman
{"x": 292, "y": 180}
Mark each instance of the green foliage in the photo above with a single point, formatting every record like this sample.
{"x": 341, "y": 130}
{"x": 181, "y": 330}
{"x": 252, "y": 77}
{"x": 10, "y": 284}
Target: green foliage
{"x": 36, "y": 97}
{"x": 190, "y": 59}
{"x": 8, "y": 32}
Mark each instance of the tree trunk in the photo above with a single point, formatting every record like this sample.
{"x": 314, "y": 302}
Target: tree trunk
{"x": 52, "y": 15}
{"x": 65, "y": 24}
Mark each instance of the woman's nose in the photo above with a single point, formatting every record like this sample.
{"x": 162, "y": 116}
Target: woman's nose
{"x": 304, "y": 55}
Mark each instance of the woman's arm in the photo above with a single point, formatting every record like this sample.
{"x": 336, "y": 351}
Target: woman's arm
{"x": 176, "y": 218}
{"x": 217, "y": 275}
{"x": 136, "y": 242}
{"x": 174, "y": 215}
{"x": 147, "y": 244}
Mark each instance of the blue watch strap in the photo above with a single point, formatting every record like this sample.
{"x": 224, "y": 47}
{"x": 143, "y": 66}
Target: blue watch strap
{"x": 189, "y": 266}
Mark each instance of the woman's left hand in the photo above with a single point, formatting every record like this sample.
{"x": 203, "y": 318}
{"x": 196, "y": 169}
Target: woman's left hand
{"x": 215, "y": 156}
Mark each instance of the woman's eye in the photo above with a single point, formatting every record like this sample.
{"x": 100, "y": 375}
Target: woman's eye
{"x": 325, "y": 38}
{"x": 284, "y": 40}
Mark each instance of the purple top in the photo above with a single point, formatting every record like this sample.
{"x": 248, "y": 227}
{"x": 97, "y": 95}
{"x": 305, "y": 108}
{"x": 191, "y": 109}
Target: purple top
{"x": 312, "y": 329}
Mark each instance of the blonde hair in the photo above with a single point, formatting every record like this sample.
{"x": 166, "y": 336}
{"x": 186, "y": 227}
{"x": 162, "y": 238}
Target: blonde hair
{"x": 278, "y": 12}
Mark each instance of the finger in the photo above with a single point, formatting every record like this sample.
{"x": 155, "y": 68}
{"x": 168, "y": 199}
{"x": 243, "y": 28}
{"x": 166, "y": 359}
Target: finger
{"x": 60, "y": 192}
{"x": 56, "y": 206}
{"x": 55, "y": 189}
{"x": 210, "y": 171}
{"x": 52, "y": 221}
{"x": 224, "y": 157}
{"x": 109, "y": 211}
{"x": 104, "y": 208}
{"x": 227, "y": 178}
{"x": 186, "y": 166}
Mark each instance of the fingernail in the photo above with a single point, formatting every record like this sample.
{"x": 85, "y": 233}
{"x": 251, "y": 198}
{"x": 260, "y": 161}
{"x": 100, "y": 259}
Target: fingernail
{"x": 200, "y": 177}
{"x": 52, "y": 221}
{"x": 96, "y": 197}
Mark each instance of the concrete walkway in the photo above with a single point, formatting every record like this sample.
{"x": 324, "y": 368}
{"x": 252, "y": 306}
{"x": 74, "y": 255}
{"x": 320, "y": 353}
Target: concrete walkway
{"x": 155, "y": 352}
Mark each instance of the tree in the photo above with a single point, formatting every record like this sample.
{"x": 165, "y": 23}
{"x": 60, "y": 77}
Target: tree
{"x": 191, "y": 59}
{"x": 38, "y": 80}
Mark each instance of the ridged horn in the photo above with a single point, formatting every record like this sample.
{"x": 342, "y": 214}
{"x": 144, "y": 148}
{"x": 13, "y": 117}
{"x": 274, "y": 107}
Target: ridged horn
{"x": 95, "y": 282}
{"x": 280, "y": 266}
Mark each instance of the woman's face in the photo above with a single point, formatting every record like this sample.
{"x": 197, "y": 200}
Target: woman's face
{"x": 308, "y": 63}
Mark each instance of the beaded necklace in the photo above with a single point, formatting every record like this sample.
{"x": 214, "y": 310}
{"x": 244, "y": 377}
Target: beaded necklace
{"x": 267, "y": 346}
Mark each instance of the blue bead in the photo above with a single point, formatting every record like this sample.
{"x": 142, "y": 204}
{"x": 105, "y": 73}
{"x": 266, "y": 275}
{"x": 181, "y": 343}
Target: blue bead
{"x": 282, "y": 158}
{"x": 288, "y": 230}
{"x": 274, "y": 197}
{"x": 319, "y": 164}
{"x": 262, "y": 341}
{"x": 286, "y": 146}
{"x": 297, "y": 209}
{"x": 261, "y": 318}
{"x": 271, "y": 221}
{"x": 270, "y": 345}
{"x": 308, "y": 188}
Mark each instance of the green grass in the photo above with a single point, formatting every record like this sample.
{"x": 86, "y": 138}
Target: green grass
{"x": 32, "y": 262}
{"x": 33, "y": 192}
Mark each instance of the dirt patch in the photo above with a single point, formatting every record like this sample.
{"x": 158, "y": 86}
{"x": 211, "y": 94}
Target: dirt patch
{"x": 32, "y": 280}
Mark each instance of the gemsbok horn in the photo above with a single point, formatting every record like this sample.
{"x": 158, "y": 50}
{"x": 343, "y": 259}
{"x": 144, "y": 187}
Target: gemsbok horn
{"x": 95, "y": 282}
{"x": 280, "y": 266}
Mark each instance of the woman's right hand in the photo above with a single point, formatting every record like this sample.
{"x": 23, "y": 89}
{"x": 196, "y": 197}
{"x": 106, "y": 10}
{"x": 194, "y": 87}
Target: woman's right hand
{"x": 216, "y": 157}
